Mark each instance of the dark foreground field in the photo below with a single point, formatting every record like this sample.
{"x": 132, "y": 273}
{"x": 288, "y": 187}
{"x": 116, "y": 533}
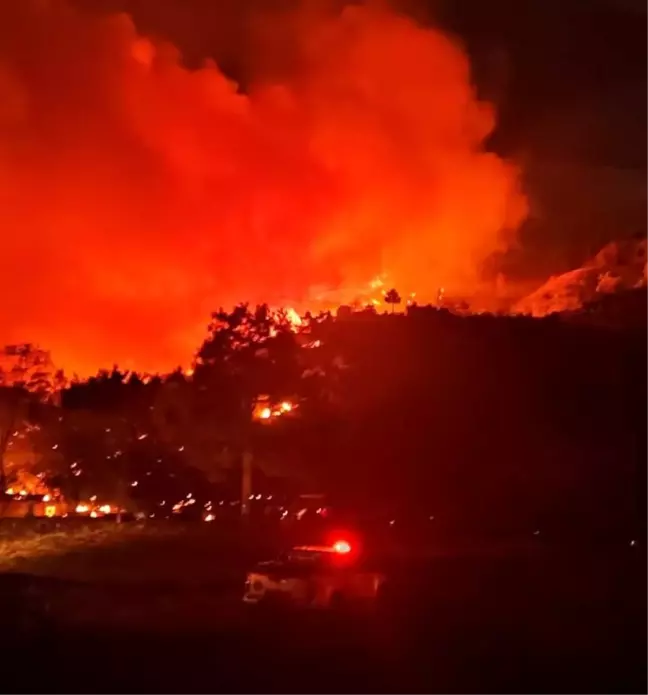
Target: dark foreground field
{"x": 163, "y": 614}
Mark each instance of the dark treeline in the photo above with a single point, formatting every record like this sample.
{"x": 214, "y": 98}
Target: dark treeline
{"x": 492, "y": 422}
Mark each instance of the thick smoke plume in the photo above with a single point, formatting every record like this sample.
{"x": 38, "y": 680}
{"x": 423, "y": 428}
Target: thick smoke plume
{"x": 137, "y": 195}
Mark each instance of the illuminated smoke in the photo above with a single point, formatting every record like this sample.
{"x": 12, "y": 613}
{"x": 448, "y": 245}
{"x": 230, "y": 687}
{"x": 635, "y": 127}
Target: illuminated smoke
{"x": 136, "y": 195}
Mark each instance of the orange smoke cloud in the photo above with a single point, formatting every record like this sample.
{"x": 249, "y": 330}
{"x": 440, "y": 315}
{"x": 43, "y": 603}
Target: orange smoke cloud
{"x": 137, "y": 195}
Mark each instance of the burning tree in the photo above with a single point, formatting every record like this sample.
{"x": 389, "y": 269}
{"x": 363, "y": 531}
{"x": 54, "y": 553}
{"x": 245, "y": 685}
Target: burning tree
{"x": 29, "y": 385}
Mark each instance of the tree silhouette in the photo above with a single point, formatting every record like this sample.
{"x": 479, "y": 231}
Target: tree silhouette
{"x": 183, "y": 420}
{"x": 392, "y": 297}
{"x": 248, "y": 355}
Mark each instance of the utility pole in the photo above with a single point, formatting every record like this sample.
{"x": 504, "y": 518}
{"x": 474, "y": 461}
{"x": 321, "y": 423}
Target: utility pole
{"x": 246, "y": 482}
{"x": 245, "y": 447}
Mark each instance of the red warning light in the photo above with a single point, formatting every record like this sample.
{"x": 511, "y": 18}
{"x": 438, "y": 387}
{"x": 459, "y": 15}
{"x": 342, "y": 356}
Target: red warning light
{"x": 342, "y": 547}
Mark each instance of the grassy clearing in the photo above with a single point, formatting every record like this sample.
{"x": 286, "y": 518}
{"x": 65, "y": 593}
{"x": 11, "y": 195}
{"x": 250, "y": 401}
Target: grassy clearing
{"x": 136, "y": 576}
{"x": 60, "y": 553}
{"x": 156, "y": 555}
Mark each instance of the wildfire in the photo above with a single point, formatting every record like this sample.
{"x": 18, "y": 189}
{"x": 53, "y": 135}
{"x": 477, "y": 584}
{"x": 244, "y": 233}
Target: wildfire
{"x": 155, "y": 179}
{"x": 95, "y": 510}
{"x": 265, "y": 411}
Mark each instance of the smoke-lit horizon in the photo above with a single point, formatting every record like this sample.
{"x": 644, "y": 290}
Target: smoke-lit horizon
{"x": 138, "y": 196}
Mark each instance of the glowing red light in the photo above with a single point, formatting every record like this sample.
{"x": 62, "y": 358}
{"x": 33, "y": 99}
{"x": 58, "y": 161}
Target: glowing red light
{"x": 341, "y": 547}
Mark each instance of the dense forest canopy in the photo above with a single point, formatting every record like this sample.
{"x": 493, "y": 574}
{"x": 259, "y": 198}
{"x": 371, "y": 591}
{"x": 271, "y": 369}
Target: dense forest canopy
{"x": 481, "y": 419}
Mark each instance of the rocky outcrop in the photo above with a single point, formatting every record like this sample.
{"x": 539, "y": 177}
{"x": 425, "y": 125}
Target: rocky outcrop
{"x": 618, "y": 267}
